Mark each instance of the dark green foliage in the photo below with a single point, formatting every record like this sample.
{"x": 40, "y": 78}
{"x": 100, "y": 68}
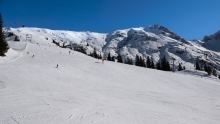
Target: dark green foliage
{"x": 119, "y": 58}
{"x": 214, "y": 73}
{"x": 180, "y": 67}
{"x": 168, "y": 66}
{"x": 158, "y": 66}
{"x": 148, "y": 62}
{"x": 83, "y": 50}
{"x": 129, "y": 61}
{"x": 95, "y": 55}
{"x": 164, "y": 64}
{"x": 3, "y": 44}
{"x": 152, "y": 63}
{"x": 137, "y": 61}
{"x": 205, "y": 68}
{"x": 57, "y": 43}
{"x": 113, "y": 58}
{"x": 209, "y": 70}
{"x": 17, "y": 38}
{"x": 142, "y": 63}
{"x": 109, "y": 57}
{"x": 197, "y": 65}
{"x": 100, "y": 56}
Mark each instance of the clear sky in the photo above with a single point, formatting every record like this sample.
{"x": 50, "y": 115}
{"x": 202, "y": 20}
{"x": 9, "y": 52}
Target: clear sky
{"x": 191, "y": 19}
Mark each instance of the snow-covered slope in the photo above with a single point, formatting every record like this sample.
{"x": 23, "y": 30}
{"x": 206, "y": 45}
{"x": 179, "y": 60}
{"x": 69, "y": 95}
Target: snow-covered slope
{"x": 64, "y": 38}
{"x": 155, "y": 41}
{"x": 84, "y": 91}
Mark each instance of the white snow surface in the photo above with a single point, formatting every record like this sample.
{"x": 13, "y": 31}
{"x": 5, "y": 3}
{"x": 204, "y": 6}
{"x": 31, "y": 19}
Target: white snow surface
{"x": 84, "y": 91}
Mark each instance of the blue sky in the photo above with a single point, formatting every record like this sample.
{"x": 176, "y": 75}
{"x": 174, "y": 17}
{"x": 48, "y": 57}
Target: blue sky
{"x": 191, "y": 19}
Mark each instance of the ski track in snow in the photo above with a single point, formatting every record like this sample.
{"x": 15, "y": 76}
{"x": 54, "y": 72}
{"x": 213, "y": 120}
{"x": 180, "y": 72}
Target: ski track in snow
{"x": 83, "y": 91}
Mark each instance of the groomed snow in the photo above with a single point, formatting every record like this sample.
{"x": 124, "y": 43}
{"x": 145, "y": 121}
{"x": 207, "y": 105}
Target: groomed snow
{"x": 84, "y": 91}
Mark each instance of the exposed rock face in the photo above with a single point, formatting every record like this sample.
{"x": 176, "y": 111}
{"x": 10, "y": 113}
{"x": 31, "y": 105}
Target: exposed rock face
{"x": 215, "y": 36}
{"x": 159, "y": 29}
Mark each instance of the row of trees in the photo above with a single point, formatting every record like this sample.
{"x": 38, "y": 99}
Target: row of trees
{"x": 3, "y": 44}
{"x": 162, "y": 64}
{"x": 206, "y": 68}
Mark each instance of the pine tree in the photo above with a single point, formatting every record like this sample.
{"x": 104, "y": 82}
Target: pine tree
{"x": 119, "y": 58}
{"x": 167, "y": 66}
{"x": 129, "y": 61}
{"x": 152, "y": 63}
{"x": 164, "y": 63}
{"x": 137, "y": 61}
{"x": 214, "y": 73}
{"x": 197, "y": 65}
{"x": 100, "y": 56}
{"x": 109, "y": 57}
{"x": 113, "y": 58}
{"x": 209, "y": 70}
{"x": 158, "y": 66}
{"x": 148, "y": 62}
{"x": 206, "y": 68}
{"x": 94, "y": 53}
{"x": 141, "y": 62}
{"x": 3, "y": 44}
{"x": 180, "y": 67}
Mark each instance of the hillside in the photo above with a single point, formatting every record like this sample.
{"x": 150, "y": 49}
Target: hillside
{"x": 154, "y": 41}
{"x": 84, "y": 91}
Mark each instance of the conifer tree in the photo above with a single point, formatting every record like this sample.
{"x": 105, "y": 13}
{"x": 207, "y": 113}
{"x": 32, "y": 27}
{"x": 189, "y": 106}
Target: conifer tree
{"x": 180, "y": 67}
{"x": 137, "y": 61}
{"x": 197, "y": 65}
{"x": 209, "y": 70}
{"x": 205, "y": 68}
{"x": 109, "y": 57}
{"x": 148, "y": 62}
{"x": 3, "y": 44}
{"x": 100, "y": 56}
{"x": 158, "y": 66}
{"x": 113, "y": 58}
{"x": 129, "y": 61}
{"x": 119, "y": 59}
{"x": 141, "y": 61}
{"x": 152, "y": 63}
{"x": 167, "y": 66}
{"x": 164, "y": 63}
{"x": 95, "y": 55}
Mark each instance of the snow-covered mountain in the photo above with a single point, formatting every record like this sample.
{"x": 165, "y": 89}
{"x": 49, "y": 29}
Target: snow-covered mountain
{"x": 64, "y": 38}
{"x": 155, "y": 41}
{"x": 82, "y": 90}
{"x": 212, "y": 42}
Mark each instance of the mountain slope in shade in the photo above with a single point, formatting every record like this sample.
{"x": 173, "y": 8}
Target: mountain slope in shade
{"x": 212, "y": 42}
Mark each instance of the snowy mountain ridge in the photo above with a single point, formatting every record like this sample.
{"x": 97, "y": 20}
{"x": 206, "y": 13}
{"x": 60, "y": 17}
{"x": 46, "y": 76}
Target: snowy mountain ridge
{"x": 155, "y": 41}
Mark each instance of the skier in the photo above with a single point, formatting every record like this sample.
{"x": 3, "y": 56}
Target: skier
{"x": 69, "y": 52}
{"x": 57, "y": 65}
{"x": 33, "y": 56}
